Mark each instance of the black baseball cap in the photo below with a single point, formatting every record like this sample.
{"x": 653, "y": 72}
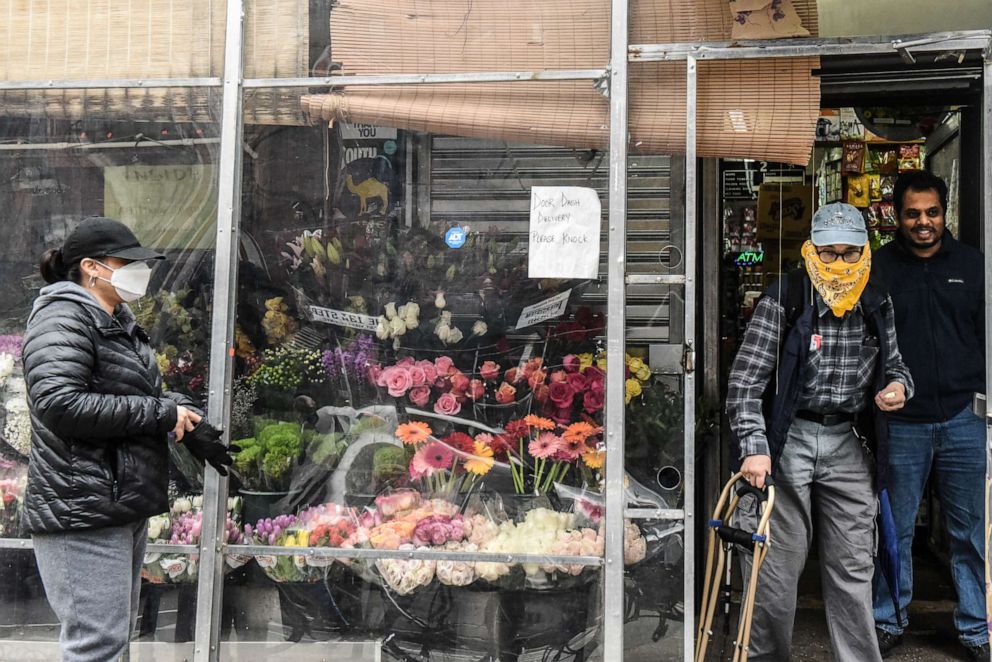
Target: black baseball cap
{"x": 97, "y": 236}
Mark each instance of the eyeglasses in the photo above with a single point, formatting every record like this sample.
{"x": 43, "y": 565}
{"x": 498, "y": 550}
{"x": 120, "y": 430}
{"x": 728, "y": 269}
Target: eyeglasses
{"x": 850, "y": 256}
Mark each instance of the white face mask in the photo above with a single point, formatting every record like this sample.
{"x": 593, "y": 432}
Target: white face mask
{"x": 130, "y": 281}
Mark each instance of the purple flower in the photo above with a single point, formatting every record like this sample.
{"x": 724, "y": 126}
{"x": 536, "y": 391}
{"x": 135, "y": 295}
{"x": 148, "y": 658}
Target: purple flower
{"x": 11, "y": 345}
{"x": 439, "y": 529}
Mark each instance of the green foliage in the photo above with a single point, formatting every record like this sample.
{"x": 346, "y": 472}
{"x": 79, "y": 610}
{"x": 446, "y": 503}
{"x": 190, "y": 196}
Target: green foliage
{"x": 266, "y": 458}
{"x": 289, "y": 368}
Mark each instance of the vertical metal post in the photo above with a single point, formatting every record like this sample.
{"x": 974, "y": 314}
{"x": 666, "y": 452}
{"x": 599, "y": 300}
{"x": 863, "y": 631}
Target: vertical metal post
{"x": 210, "y": 586}
{"x": 689, "y": 378}
{"x": 986, "y": 216}
{"x": 615, "y": 336}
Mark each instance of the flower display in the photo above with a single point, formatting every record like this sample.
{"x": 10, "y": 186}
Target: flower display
{"x": 289, "y": 368}
{"x": 457, "y": 573}
{"x": 182, "y": 525}
{"x": 575, "y": 542}
{"x": 11, "y": 498}
{"x": 282, "y": 531}
{"x": 535, "y": 535}
{"x": 351, "y": 362}
{"x": 265, "y": 460}
{"x": 11, "y": 345}
{"x": 278, "y": 326}
{"x": 540, "y": 457}
{"x": 635, "y": 546}
{"x": 439, "y": 529}
{"x": 405, "y": 576}
{"x": 395, "y": 322}
{"x": 395, "y": 503}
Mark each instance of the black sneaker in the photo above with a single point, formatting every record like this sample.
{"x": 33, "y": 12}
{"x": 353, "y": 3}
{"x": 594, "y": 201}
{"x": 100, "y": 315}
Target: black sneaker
{"x": 979, "y": 652}
{"x": 887, "y": 642}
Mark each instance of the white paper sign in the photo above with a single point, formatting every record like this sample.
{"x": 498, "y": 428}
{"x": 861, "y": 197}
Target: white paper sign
{"x": 564, "y": 232}
{"x": 351, "y": 131}
{"x": 343, "y": 318}
{"x": 544, "y": 310}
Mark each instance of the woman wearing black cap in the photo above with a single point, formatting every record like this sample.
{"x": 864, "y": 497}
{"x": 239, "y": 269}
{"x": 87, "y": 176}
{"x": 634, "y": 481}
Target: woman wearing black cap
{"x": 100, "y": 424}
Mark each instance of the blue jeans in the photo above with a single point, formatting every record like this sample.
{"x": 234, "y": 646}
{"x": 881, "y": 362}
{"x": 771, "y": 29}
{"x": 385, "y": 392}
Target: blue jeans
{"x": 955, "y": 450}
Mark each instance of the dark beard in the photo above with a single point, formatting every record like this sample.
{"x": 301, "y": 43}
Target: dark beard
{"x": 911, "y": 239}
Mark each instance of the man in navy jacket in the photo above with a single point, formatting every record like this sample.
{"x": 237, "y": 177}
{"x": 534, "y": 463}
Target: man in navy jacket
{"x": 937, "y": 288}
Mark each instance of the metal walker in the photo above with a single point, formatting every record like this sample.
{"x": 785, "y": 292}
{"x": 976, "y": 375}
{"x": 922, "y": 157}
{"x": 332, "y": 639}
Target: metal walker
{"x": 721, "y": 539}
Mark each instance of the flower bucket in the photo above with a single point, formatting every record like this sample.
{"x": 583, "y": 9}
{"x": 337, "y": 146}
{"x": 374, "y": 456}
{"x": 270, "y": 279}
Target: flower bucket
{"x": 260, "y": 505}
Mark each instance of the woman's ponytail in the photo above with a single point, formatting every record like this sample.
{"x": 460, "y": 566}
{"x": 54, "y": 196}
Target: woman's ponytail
{"x": 53, "y": 269}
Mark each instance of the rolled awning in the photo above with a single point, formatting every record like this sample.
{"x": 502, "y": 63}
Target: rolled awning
{"x": 763, "y": 109}
{"x": 103, "y": 39}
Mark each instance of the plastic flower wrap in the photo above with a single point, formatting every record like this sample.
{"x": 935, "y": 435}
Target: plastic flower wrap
{"x": 457, "y": 573}
{"x": 480, "y": 529}
{"x": 394, "y": 503}
{"x": 282, "y": 531}
{"x": 581, "y": 542}
{"x": 635, "y": 546}
{"x": 11, "y": 499}
{"x": 404, "y": 576}
{"x": 537, "y": 534}
{"x": 17, "y": 423}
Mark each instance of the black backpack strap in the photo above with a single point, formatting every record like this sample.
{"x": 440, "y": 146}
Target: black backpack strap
{"x": 790, "y": 291}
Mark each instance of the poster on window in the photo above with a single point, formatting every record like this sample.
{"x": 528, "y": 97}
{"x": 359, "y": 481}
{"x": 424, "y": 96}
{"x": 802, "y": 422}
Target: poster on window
{"x": 564, "y": 232}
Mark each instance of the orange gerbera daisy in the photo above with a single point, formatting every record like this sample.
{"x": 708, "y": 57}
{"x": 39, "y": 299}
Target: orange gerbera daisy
{"x": 594, "y": 459}
{"x": 414, "y": 432}
{"x": 539, "y": 422}
{"x": 481, "y": 461}
{"x": 580, "y": 431}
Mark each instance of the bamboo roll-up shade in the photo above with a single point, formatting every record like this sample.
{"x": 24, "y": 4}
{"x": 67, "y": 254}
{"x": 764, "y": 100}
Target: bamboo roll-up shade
{"x": 756, "y": 109}
{"x": 682, "y": 21}
{"x": 108, "y": 39}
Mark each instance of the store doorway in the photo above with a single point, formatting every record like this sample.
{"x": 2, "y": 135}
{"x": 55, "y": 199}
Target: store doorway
{"x": 872, "y": 127}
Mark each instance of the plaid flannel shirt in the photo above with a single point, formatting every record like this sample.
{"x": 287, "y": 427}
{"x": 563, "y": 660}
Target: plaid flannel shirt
{"x": 838, "y": 376}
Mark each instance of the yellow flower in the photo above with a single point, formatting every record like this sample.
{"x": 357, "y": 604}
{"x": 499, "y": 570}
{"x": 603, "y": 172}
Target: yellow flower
{"x": 643, "y": 374}
{"x": 594, "y": 459}
{"x": 482, "y": 460}
{"x": 163, "y": 362}
{"x": 632, "y": 389}
{"x": 585, "y": 361}
{"x": 601, "y": 361}
{"x": 634, "y": 363}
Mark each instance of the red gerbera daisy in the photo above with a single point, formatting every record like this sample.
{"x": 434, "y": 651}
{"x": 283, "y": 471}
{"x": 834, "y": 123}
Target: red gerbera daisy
{"x": 436, "y": 455}
{"x": 463, "y": 442}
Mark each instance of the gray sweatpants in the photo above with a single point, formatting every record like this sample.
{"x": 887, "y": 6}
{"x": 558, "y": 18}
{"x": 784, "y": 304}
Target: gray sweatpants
{"x": 823, "y": 480}
{"x": 92, "y": 579}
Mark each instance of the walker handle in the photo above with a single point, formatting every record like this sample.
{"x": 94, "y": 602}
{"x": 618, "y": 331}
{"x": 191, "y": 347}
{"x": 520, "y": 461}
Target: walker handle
{"x": 737, "y": 536}
{"x": 762, "y": 494}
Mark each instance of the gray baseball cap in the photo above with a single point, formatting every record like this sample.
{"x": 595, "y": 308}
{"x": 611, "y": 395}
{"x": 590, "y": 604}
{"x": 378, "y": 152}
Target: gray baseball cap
{"x": 838, "y": 223}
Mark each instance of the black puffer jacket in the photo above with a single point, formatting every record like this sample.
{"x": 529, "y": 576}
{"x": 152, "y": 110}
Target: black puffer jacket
{"x": 99, "y": 417}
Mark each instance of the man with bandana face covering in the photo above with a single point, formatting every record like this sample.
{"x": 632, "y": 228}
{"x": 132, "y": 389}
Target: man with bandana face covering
{"x": 817, "y": 367}
{"x": 937, "y": 288}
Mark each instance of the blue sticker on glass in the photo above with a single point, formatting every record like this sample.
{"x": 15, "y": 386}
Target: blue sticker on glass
{"x": 389, "y": 147}
{"x": 454, "y": 237}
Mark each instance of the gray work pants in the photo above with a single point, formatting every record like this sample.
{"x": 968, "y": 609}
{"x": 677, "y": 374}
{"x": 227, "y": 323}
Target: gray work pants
{"x": 823, "y": 479}
{"x": 92, "y": 579}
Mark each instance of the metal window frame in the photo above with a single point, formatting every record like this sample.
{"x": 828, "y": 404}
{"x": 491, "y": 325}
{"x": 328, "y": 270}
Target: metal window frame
{"x": 212, "y": 549}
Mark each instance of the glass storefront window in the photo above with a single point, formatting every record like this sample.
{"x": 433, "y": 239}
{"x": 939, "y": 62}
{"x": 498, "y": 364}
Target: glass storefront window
{"x": 404, "y": 394}
{"x": 123, "y": 154}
